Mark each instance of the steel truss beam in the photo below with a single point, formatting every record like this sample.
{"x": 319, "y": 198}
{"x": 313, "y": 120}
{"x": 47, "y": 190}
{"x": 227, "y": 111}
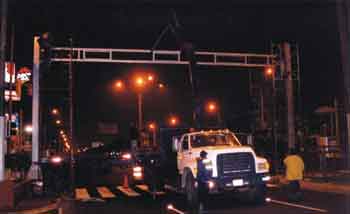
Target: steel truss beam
{"x": 144, "y": 56}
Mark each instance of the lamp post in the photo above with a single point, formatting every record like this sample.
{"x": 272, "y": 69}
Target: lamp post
{"x": 152, "y": 127}
{"x": 213, "y": 108}
{"x": 270, "y": 73}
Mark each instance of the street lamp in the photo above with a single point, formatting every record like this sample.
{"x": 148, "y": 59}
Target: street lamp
{"x": 173, "y": 121}
{"x": 213, "y": 108}
{"x": 152, "y": 127}
{"x": 119, "y": 84}
{"x": 270, "y": 72}
{"x": 55, "y": 111}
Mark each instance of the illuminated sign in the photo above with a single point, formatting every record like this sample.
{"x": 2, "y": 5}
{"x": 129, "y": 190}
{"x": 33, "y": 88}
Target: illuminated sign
{"x": 24, "y": 74}
{"x": 14, "y": 95}
{"x": 10, "y": 69}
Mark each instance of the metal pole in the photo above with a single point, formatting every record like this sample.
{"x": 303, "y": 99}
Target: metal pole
{"x": 274, "y": 134}
{"x": 2, "y": 98}
{"x": 35, "y": 109}
{"x": 290, "y": 98}
{"x": 71, "y": 117}
{"x": 12, "y": 73}
{"x": 154, "y": 137}
{"x": 139, "y": 108}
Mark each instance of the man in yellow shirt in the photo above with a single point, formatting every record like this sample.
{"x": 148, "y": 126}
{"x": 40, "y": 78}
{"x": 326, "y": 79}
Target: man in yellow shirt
{"x": 294, "y": 173}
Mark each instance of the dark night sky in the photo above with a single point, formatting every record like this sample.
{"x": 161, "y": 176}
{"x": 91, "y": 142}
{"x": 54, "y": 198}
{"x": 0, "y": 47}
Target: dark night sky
{"x": 240, "y": 27}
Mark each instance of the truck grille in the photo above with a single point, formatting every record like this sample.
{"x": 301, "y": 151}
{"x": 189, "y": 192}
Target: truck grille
{"x": 232, "y": 164}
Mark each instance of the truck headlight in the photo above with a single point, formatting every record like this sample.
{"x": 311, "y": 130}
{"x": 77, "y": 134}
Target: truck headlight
{"x": 207, "y": 164}
{"x": 264, "y": 166}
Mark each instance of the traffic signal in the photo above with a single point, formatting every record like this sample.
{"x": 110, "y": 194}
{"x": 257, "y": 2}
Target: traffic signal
{"x": 45, "y": 43}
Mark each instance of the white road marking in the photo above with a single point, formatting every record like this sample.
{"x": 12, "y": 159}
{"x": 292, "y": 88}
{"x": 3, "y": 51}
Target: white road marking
{"x": 171, "y": 207}
{"x": 146, "y": 189}
{"x": 128, "y": 191}
{"x": 82, "y": 194}
{"x": 169, "y": 187}
{"x": 105, "y": 192}
{"x": 298, "y": 206}
{"x": 272, "y": 185}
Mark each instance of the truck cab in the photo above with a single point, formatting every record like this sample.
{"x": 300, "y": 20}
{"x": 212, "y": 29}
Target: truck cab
{"x": 232, "y": 167}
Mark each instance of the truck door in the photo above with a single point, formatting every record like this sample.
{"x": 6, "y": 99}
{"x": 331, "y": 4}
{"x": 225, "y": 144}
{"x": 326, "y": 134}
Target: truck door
{"x": 182, "y": 156}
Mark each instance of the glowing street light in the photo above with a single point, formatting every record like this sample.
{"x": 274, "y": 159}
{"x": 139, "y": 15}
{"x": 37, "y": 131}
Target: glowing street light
{"x": 269, "y": 71}
{"x": 61, "y": 132}
{"x": 119, "y": 84}
{"x": 212, "y": 107}
{"x": 55, "y": 111}
{"x": 152, "y": 127}
{"x": 58, "y": 122}
{"x": 173, "y": 121}
{"x": 28, "y": 129}
{"x": 140, "y": 82}
{"x": 150, "y": 78}
{"x": 160, "y": 85}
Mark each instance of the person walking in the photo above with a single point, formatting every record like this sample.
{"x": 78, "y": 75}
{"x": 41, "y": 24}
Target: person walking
{"x": 294, "y": 174}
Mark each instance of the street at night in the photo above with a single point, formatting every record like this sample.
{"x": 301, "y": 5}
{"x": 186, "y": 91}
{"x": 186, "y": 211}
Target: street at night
{"x": 175, "y": 107}
{"x": 136, "y": 200}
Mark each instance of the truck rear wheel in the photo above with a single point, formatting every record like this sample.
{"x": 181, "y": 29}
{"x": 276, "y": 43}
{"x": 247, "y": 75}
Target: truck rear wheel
{"x": 191, "y": 191}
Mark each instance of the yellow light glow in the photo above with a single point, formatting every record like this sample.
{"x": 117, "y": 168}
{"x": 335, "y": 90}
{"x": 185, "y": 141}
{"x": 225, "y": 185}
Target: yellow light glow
{"x": 150, "y": 78}
{"x": 152, "y": 126}
{"x": 54, "y": 111}
{"x": 173, "y": 121}
{"x": 58, "y": 122}
{"x": 269, "y": 71}
{"x": 139, "y": 81}
{"x": 119, "y": 84}
{"x": 212, "y": 107}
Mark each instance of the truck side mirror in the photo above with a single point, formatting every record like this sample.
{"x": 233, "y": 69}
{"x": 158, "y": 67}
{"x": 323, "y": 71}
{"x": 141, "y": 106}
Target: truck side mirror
{"x": 176, "y": 143}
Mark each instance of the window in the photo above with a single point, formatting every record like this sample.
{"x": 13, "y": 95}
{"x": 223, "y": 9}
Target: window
{"x": 185, "y": 143}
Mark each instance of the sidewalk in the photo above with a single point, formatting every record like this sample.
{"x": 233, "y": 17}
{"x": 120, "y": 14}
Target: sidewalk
{"x": 334, "y": 182}
{"x": 33, "y": 206}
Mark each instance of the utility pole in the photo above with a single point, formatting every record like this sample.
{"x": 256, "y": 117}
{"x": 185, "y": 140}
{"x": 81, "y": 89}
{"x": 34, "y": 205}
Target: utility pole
{"x": 139, "y": 111}
{"x": 71, "y": 116}
{"x": 290, "y": 96}
{"x": 2, "y": 95}
{"x": 343, "y": 10}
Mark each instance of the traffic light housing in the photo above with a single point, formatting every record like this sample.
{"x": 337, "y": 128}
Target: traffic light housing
{"x": 45, "y": 43}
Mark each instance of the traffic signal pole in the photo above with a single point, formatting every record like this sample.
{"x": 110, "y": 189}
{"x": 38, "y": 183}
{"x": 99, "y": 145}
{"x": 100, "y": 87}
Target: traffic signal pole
{"x": 34, "y": 170}
{"x": 2, "y": 95}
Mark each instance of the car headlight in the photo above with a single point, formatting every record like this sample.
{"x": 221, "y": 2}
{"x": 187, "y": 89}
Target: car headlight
{"x": 264, "y": 166}
{"x": 126, "y": 156}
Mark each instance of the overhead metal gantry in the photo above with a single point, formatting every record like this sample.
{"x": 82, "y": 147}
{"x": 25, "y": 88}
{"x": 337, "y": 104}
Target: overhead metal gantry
{"x": 172, "y": 57}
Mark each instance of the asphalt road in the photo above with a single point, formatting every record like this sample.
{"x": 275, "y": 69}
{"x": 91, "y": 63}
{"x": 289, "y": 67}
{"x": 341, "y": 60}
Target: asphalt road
{"x": 105, "y": 194}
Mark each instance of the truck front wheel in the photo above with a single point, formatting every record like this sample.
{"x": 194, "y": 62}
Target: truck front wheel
{"x": 191, "y": 191}
{"x": 257, "y": 194}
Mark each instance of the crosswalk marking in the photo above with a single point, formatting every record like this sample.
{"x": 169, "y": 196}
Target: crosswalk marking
{"x": 128, "y": 191}
{"x": 82, "y": 194}
{"x": 105, "y": 192}
{"x": 146, "y": 189}
{"x": 272, "y": 185}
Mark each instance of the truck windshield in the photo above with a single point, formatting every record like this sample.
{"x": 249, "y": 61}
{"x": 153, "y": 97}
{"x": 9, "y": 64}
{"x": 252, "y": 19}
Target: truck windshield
{"x": 213, "y": 140}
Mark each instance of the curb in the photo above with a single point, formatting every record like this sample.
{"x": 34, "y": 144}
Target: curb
{"x": 314, "y": 186}
{"x": 40, "y": 210}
